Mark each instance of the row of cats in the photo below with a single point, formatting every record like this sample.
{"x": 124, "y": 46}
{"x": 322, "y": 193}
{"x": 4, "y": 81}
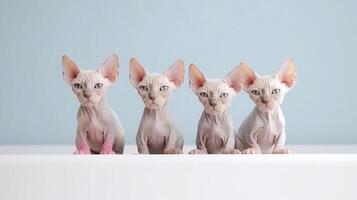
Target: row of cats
{"x": 99, "y": 130}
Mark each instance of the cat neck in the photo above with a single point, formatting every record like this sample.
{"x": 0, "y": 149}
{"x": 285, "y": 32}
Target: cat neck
{"x": 101, "y": 106}
{"x": 161, "y": 112}
{"x": 269, "y": 115}
{"x": 218, "y": 117}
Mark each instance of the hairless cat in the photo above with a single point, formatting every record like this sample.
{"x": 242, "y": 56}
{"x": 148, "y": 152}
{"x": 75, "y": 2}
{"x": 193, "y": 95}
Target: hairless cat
{"x": 215, "y": 133}
{"x": 263, "y": 131}
{"x": 99, "y": 129}
{"x": 157, "y": 131}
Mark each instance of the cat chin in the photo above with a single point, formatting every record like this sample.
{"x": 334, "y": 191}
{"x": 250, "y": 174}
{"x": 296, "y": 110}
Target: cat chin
{"x": 153, "y": 106}
{"x": 88, "y": 104}
{"x": 266, "y": 108}
{"x": 213, "y": 112}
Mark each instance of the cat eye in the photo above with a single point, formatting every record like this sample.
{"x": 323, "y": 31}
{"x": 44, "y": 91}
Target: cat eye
{"x": 164, "y": 87}
{"x": 143, "y": 87}
{"x": 255, "y": 92}
{"x": 98, "y": 85}
{"x": 224, "y": 95}
{"x": 203, "y": 94}
{"x": 275, "y": 91}
{"x": 77, "y": 86}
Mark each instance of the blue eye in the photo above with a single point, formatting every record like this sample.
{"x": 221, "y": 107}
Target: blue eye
{"x": 275, "y": 91}
{"x": 77, "y": 86}
{"x": 143, "y": 87}
{"x": 224, "y": 95}
{"x": 164, "y": 87}
{"x": 203, "y": 94}
{"x": 255, "y": 92}
{"x": 98, "y": 85}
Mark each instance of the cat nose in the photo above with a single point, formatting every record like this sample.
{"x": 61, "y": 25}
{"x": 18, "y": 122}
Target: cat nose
{"x": 265, "y": 101}
{"x": 86, "y": 95}
{"x": 152, "y": 98}
{"x": 213, "y": 104}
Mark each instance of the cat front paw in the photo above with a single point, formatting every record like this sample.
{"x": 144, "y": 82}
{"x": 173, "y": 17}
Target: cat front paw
{"x": 198, "y": 151}
{"x": 251, "y": 151}
{"x": 281, "y": 151}
{"x": 172, "y": 151}
{"x": 107, "y": 151}
{"x": 232, "y": 151}
{"x": 82, "y": 152}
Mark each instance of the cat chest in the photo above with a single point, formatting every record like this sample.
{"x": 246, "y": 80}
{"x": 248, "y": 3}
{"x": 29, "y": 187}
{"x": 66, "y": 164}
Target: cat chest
{"x": 155, "y": 130}
{"x": 268, "y": 133}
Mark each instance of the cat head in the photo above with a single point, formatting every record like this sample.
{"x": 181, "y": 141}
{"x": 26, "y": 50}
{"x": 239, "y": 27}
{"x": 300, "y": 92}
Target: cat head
{"x": 155, "y": 88}
{"x": 268, "y": 91}
{"x": 215, "y": 94}
{"x": 90, "y": 86}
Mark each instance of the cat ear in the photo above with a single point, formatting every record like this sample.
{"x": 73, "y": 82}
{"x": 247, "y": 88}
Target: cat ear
{"x": 110, "y": 68}
{"x": 136, "y": 72}
{"x": 175, "y": 72}
{"x": 246, "y": 76}
{"x": 233, "y": 79}
{"x": 69, "y": 69}
{"x": 197, "y": 78}
{"x": 287, "y": 73}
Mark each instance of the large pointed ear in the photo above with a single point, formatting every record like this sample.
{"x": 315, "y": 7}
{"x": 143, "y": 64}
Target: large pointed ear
{"x": 233, "y": 79}
{"x": 136, "y": 72}
{"x": 110, "y": 68}
{"x": 197, "y": 78}
{"x": 69, "y": 69}
{"x": 176, "y": 72}
{"x": 246, "y": 76}
{"x": 287, "y": 73}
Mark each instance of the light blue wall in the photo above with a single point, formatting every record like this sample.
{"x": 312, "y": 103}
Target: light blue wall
{"x": 37, "y": 107}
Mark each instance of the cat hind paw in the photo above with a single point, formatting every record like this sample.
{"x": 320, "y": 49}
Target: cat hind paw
{"x": 172, "y": 151}
{"x": 82, "y": 152}
{"x": 251, "y": 151}
{"x": 232, "y": 151}
{"x": 198, "y": 151}
{"x": 281, "y": 151}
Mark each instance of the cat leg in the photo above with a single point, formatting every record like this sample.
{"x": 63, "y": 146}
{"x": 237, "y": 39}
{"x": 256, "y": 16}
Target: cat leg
{"x": 252, "y": 150}
{"x": 232, "y": 151}
{"x": 108, "y": 143}
{"x": 171, "y": 141}
{"x": 279, "y": 144}
{"x": 141, "y": 144}
{"x": 81, "y": 142}
{"x": 281, "y": 151}
{"x": 200, "y": 143}
{"x": 119, "y": 143}
{"x": 230, "y": 145}
{"x": 198, "y": 151}
{"x": 107, "y": 147}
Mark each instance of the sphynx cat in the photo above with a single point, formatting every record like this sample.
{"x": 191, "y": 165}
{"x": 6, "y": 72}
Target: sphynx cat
{"x": 99, "y": 129}
{"x": 215, "y": 133}
{"x": 263, "y": 131}
{"x": 157, "y": 131}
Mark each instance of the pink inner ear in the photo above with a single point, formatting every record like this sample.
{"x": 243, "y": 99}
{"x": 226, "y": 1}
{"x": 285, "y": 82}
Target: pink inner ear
{"x": 176, "y": 73}
{"x": 197, "y": 78}
{"x": 110, "y": 73}
{"x": 287, "y": 73}
{"x": 246, "y": 75}
{"x": 235, "y": 85}
{"x": 136, "y": 72}
{"x": 110, "y": 68}
{"x": 234, "y": 79}
{"x": 69, "y": 69}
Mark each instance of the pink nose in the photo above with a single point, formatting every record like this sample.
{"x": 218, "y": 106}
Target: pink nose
{"x": 213, "y": 104}
{"x": 87, "y": 95}
{"x": 265, "y": 101}
{"x": 152, "y": 98}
